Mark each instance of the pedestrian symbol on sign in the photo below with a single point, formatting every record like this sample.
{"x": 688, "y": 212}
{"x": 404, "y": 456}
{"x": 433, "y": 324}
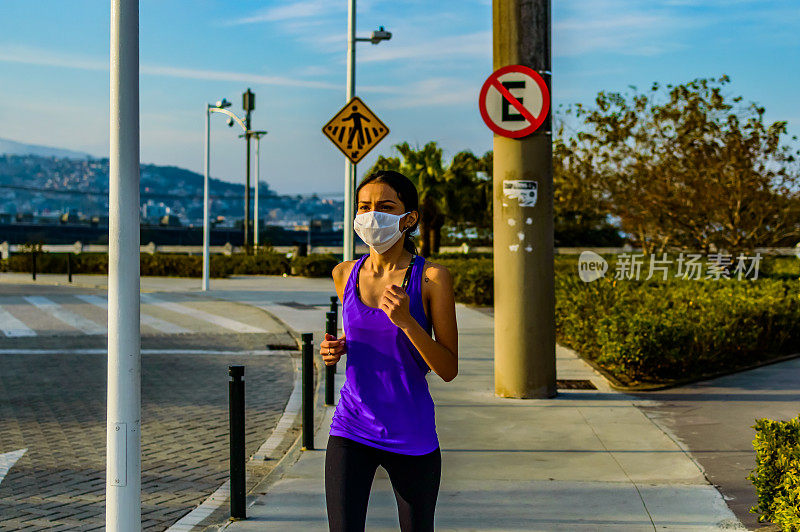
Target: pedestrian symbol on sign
{"x": 355, "y": 130}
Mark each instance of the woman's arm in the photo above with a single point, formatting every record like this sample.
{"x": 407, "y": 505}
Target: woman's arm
{"x": 440, "y": 354}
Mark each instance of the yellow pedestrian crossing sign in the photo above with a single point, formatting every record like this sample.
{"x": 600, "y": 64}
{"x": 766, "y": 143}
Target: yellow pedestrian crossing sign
{"x": 355, "y": 130}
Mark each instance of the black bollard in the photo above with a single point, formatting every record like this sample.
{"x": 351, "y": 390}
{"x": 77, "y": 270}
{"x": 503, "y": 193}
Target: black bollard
{"x": 69, "y": 267}
{"x": 330, "y": 371}
{"x": 33, "y": 264}
{"x": 335, "y": 310}
{"x": 236, "y": 414}
{"x": 307, "y": 370}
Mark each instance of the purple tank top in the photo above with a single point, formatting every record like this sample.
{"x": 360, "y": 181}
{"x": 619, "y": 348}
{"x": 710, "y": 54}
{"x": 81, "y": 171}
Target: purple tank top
{"x": 385, "y": 402}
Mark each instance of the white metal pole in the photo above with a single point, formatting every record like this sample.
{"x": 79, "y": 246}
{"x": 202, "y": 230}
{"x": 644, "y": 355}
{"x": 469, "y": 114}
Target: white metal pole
{"x": 349, "y": 168}
{"x": 206, "y": 164}
{"x": 258, "y": 176}
{"x": 123, "y": 430}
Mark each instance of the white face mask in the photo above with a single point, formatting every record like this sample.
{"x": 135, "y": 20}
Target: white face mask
{"x": 379, "y": 230}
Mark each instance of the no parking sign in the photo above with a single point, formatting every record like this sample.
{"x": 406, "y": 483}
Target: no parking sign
{"x": 514, "y": 101}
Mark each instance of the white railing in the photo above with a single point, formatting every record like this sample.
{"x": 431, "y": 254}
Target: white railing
{"x": 228, "y": 249}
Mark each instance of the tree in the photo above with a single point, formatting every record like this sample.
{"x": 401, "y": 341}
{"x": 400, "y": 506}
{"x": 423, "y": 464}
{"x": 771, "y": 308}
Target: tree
{"x": 694, "y": 171}
{"x": 468, "y": 194}
{"x": 580, "y": 206}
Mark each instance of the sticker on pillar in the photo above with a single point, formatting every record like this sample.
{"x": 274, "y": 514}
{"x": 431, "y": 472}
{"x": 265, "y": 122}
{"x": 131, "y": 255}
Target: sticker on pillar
{"x": 524, "y": 191}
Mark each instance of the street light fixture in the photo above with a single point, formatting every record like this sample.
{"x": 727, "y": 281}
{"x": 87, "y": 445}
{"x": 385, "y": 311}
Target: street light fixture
{"x": 378, "y": 36}
{"x": 349, "y": 168}
{"x": 219, "y": 107}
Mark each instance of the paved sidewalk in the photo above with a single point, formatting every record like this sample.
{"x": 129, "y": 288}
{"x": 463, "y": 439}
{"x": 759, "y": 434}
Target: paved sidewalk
{"x": 584, "y": 460}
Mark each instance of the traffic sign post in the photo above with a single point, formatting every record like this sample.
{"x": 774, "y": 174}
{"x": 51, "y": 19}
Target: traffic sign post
{"x": 355, "y": 130}
{"x": 515, "y": 104}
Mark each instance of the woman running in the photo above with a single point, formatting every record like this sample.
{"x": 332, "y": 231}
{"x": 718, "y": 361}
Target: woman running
{"x": 392, "y": 298}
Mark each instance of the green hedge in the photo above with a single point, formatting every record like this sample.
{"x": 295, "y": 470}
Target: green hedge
{"x": 657, "y": 332}
{"x": 777, "y": 472}
{"x": 56, "y": 263}
{"x": 473, "y": 278}
{"x": 171, "y": 264}
{"x": 315, "y": 265}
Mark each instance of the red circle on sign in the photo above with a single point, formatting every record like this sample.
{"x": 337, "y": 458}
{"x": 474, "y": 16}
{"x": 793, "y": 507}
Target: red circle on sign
{"x": 492, "y": 81}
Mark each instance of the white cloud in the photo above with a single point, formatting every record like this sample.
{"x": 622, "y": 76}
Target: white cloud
{"x": 437, "y": 91}
{"x": 40, "y": 57}
{"x": 303, "y": 9}
{"x": 218, "y": 75}
{"x": 33, "y": 56}
{"x": 626, "y": 33}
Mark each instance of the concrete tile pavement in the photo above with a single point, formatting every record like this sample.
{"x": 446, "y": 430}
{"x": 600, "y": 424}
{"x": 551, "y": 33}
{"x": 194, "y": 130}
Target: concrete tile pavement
{"x": 583, "y": 460}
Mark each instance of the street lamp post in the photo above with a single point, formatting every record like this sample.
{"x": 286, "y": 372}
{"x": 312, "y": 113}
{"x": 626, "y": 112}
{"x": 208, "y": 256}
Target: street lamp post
{"x": 350, "y": 168}
{"x": 248, "y": 105}
{"x": 124, "y": 375}
{"x": 219, "y": 107}
{"x": 257, "y": 135}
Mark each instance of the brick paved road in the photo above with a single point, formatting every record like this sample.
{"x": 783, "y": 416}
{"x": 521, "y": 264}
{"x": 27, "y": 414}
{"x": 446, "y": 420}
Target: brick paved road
{"x": 55, "y": 406}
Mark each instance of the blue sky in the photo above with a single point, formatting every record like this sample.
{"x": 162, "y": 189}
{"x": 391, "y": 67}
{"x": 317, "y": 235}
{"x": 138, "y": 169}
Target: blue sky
{"x": 423, "y": 83}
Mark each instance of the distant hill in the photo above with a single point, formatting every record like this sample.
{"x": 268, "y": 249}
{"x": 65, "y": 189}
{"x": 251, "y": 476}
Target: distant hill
{"x": 12, "y": 147}
{"x": 47, "y": 184}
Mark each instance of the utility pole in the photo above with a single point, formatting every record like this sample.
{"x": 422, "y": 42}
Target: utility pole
{"x": 524, "y": 299}
{"x": 257, "y": 135}
{"x": 123, "y": 408}
{"x": 249, "y": 105}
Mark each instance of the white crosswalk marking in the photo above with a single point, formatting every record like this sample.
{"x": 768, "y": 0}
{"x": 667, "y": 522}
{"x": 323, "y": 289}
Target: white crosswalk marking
{"x": 150, "y": 321}
{"x": 12, "y": 327}
{"x": 7, "y": 461}
{"x": 221, "y": 321}
{"x": 70, "y": 318}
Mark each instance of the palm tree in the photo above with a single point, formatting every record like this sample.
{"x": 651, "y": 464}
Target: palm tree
{"x": 468, "y": 198}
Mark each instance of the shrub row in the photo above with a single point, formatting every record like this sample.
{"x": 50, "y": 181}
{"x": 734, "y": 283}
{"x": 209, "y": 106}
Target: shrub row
{"x": 664, "y": 331}
{"x": 179, "y": 265}
{"x": 777, "y": 472}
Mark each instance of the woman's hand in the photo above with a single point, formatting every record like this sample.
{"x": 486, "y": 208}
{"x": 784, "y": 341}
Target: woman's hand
{"x": 332, "y": 349}
{"x": 396, "y": 303}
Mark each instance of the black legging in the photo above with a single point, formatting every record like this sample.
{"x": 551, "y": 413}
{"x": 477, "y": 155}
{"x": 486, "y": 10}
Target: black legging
{"x": 349, "y": 470}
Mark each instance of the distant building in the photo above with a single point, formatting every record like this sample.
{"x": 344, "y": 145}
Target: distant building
{"x": 323, "y": 224}
{"x": 170, "y": 220}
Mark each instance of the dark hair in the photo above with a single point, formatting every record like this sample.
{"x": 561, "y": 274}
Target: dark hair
{"x": 407, "y": 193}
